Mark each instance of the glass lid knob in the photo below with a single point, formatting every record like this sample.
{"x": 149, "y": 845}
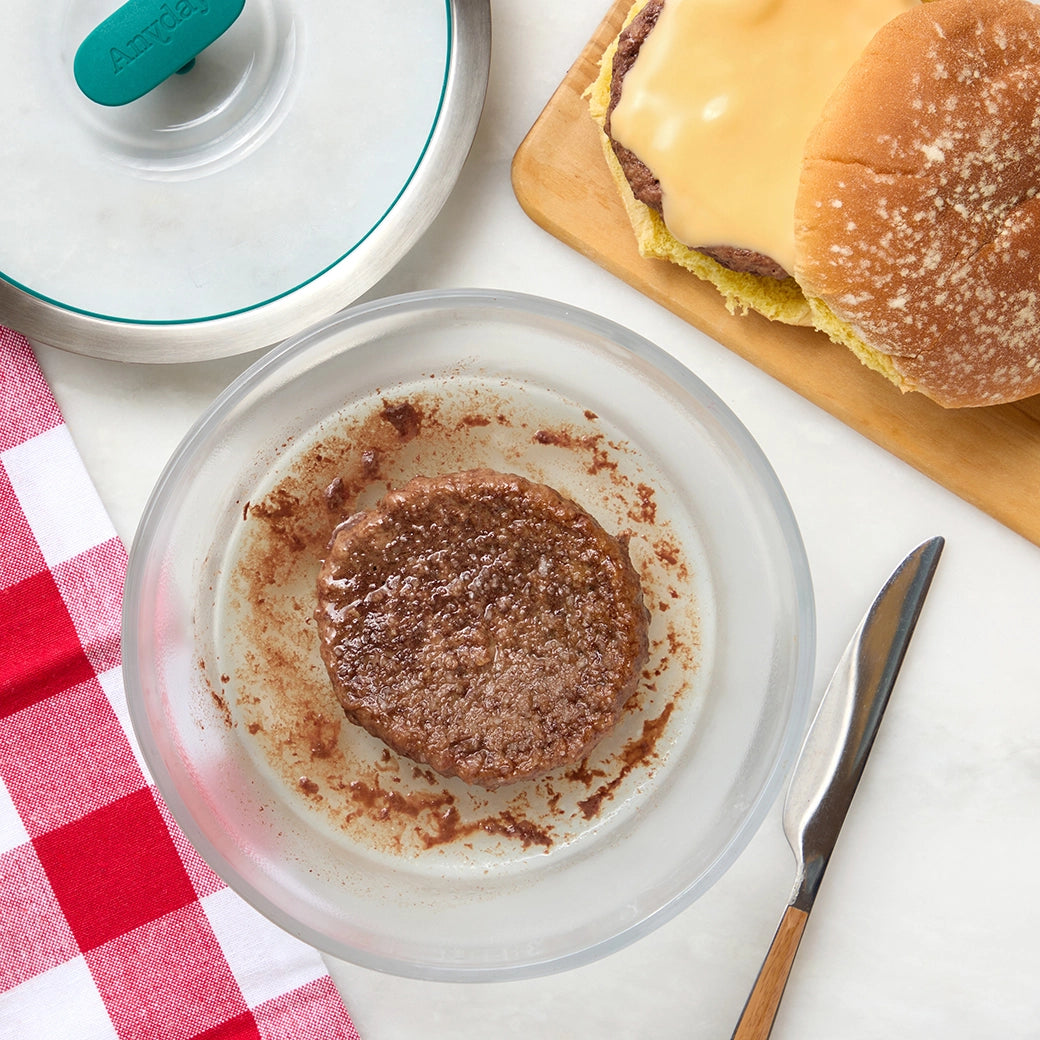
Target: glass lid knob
{"x": 144, "y": 42}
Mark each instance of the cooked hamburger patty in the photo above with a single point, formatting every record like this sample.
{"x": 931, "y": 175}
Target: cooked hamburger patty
{"x": 481, "y": 624}
{"x": 645, "y": 185}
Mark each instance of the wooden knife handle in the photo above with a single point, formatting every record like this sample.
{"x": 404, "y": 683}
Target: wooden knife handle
{"x": 756, "y": 1020}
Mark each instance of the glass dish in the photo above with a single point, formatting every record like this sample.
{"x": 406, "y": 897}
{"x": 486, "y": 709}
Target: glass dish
{"x": 363, "y": 854}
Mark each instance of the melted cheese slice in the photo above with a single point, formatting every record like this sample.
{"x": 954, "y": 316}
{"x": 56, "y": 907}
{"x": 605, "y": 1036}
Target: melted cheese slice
{"x": 720, "y": 100}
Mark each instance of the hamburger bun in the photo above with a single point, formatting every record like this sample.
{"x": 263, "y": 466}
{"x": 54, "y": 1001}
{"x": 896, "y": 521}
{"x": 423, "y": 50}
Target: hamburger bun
{"x": 917, "y": 221}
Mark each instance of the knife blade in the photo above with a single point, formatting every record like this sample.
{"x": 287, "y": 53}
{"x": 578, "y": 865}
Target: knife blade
{"x": 831, "y": 763}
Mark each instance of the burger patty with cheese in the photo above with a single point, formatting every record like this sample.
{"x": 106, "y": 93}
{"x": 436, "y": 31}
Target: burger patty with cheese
{"x": 645, "y": 185}
{"x": 705, "y": 106}
{"x": 883, "y": 154}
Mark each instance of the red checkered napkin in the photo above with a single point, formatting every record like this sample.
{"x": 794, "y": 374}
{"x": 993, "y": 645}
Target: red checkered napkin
{"x": 111, "y": 926}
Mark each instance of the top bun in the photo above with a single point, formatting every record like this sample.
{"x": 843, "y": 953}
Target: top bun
{"x": 917, "y": 222}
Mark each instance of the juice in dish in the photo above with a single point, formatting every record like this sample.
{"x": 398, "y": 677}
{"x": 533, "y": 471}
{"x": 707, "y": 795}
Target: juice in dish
{"x": 267, "y": 672}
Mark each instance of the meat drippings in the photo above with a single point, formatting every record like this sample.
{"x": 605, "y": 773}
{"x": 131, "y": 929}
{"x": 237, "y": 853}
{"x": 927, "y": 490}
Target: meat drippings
{"x": 270, "y": 675}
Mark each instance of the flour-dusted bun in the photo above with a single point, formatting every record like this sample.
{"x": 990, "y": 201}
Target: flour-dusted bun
{"x": 917, "y": 223}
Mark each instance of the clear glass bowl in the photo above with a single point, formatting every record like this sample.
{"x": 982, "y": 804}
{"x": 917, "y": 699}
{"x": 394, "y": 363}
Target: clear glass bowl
{"x": 316, "y": 824}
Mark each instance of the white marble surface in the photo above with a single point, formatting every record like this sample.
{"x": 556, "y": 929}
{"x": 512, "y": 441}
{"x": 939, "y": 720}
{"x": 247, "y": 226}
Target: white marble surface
{"x": 927, "y": 922}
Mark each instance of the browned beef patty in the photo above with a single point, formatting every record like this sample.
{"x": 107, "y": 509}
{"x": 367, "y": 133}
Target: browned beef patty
{"x": 481, "y": 624}
{"x": 645, "y": 186}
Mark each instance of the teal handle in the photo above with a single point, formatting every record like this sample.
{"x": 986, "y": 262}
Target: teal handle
{"x": 145, "y": 42}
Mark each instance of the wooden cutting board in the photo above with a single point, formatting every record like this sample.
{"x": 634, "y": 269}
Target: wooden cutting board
{"x": 988, "y": 456}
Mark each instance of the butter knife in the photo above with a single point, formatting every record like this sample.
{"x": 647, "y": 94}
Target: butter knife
{"x": 831, "y": 763}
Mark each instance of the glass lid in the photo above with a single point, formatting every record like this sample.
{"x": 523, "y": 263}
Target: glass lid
{"x": 167, "y": 205}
